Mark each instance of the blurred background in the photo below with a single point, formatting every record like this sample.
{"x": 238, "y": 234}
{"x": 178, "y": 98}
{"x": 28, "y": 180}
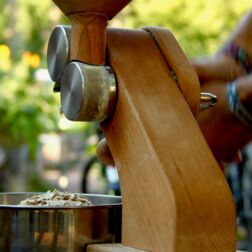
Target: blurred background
{"x": 41, "y": 150}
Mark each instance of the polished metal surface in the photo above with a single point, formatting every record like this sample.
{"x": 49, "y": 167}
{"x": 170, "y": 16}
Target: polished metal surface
{"x": 207, "y": 100}
{"x": 58, "y": 51}
{"x": 88, "y": 92}
{"x": 25, "y": 228}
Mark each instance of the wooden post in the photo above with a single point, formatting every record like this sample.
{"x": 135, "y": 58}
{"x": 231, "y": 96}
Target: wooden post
{"x": 89, "y": 21}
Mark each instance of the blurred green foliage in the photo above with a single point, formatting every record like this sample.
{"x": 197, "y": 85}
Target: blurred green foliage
{"x": 28, "y": 107}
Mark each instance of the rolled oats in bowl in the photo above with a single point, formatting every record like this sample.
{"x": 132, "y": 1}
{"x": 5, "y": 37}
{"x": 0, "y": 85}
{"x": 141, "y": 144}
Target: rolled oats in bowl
{"x": 56, "y": 199}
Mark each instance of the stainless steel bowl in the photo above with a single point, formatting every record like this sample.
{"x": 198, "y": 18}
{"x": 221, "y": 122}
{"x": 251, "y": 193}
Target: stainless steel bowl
{"x": 26, "y": 228}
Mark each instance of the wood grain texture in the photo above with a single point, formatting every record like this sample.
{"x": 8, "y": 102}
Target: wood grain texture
{"x": 187, "y": 78}
{"x": 111, "y": 248}
{"x": 88, "y": 38}
{"x": 108, "y": 8}
{"x": 118, "y": 248}
{"x": 175, "y": 198}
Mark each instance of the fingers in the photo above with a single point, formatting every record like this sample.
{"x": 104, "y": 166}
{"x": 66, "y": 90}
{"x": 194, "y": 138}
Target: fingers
{"x": 103, "y": 153}
{"x": 223, "y": 131}
{"x": 222, "y": 68}
{"x": 244, "y": 89}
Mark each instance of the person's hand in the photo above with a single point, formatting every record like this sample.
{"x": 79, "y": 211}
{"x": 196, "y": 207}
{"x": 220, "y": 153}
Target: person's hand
{"x": 224, "y": 132}
{"x": 221, "y": 68}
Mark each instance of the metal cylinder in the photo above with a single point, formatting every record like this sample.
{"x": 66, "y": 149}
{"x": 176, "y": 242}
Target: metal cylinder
{"x": 58, "y": 51}
{"x": 88, "y": 92}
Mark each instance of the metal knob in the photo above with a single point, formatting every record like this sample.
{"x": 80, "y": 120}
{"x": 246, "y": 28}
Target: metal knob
{"x": 58, "y": 51}
{"x": 207, "y": 100}
{"x": 88, "y": 92}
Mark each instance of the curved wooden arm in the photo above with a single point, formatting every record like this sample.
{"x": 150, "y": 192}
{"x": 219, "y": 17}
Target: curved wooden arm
{"x": 175, "y": 198}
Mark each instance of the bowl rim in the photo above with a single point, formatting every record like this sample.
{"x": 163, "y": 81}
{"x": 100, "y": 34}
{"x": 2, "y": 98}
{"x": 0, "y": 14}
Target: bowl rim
{"x": 103, "y": 205}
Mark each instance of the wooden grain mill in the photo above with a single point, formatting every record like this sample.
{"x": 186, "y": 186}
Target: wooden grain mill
{"x": 175, "y": 198}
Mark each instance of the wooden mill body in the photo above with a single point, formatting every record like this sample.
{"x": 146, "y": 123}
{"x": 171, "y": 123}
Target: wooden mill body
{"x": 175, "y": 197}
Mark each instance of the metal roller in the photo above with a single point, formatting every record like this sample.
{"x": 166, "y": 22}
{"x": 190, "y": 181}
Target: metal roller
{"x": 58, "y": 51}
{"x": 88, "y": 92}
